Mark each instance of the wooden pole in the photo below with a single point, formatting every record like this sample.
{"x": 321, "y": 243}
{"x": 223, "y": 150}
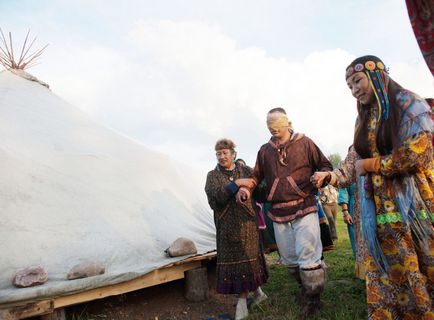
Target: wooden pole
{"x": 57, "y": 314}
{"x": 196, "y": 284}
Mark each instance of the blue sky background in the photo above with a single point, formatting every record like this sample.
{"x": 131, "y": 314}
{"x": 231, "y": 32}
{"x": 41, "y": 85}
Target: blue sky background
{"x": 178, "y": 75}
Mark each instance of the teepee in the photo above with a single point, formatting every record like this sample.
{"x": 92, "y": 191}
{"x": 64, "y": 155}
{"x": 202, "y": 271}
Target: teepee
{"x": 72, "y": 190}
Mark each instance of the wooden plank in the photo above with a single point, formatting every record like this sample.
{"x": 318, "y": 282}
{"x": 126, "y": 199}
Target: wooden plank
{"x": 206, "y": 256}
{"x": 164, "y": 274}
{"x": 150, "y": 279}
{"x": 28, "y": 310}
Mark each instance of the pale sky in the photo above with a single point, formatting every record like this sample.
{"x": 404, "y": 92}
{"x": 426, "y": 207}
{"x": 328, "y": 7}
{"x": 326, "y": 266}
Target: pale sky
{"x": 178, "y": 75}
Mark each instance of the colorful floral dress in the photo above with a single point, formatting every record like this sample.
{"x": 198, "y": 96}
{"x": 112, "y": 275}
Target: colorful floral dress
{"x": 407, "y": 291}
{"x": 400, "y": 280}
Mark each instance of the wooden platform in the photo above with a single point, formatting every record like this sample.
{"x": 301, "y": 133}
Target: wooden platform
{"x": 164, "y": 274}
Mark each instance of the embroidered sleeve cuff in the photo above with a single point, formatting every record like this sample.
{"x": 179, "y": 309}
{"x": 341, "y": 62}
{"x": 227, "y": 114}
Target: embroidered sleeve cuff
{"x": 231, "y": 188}
{"x": 372, "y": 164}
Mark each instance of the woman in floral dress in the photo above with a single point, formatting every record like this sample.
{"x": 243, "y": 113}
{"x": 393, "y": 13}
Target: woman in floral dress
{"x": 394, "y": 170}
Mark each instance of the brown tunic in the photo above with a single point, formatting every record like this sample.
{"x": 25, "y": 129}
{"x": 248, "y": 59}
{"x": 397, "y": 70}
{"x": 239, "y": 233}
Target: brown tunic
{"x": 287, "y": 170}
{"x": 240, "y": 260}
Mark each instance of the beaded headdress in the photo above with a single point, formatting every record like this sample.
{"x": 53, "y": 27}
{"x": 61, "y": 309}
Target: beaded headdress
{"x": 376, "y": 72}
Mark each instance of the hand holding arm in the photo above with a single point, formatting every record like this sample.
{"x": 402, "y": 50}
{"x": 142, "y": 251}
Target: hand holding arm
{"x": 246, "y": 183}
{"x": 319, "y": 178}
{"x": 243, "y": 195}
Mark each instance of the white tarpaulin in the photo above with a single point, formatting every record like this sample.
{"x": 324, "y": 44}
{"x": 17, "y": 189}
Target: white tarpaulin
{"x": 73, "y": 191}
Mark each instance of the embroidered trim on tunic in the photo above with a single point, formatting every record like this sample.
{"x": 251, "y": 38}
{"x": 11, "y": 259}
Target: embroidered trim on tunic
{"x": 295, "y": 187}
{"x": 287, "y": 204}
{"x": 273, "y": 189}
{"x": 393, "y": 217}
{"x": 292, "y": 217}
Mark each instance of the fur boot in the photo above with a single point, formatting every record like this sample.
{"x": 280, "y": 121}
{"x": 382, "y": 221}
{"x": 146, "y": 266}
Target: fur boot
{"x": 313, "y": 281}
{"x": 295, "y": 273}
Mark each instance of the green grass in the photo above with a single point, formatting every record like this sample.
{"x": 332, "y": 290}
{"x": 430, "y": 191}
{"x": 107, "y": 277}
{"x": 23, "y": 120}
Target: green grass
{"x": 344, "y": 295}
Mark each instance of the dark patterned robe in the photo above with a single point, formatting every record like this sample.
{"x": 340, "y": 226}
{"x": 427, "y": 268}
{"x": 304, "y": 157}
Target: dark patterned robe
{"x": 240, "y": 260}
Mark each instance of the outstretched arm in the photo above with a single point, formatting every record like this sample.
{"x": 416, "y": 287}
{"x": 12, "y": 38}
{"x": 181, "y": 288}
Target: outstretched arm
{"x": 341, "y": 177}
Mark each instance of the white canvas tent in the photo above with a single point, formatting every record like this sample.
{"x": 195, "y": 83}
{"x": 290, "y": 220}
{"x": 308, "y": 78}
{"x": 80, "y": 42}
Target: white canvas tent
{"x": 73, "y": 191}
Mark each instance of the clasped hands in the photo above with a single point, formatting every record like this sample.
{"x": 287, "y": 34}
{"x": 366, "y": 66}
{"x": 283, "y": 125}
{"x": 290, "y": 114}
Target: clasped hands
{"x": 362, "y": 167}
{"x": 318, "y": 178}
{"x": 245, "y": 185}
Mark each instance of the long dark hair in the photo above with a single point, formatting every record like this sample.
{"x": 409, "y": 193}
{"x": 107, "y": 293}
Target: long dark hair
{"x": 387, "y": 131}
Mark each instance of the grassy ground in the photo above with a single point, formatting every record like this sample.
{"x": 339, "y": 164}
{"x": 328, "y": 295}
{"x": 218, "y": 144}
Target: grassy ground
{"x": 344, "y": 295}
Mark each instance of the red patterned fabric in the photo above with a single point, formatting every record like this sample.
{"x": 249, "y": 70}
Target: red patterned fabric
{"x": 421, "y": 13}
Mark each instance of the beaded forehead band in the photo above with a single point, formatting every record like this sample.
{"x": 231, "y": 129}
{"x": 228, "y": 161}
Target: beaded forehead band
{"x": 368, "y": 65}
{"x": 376, "y": 72}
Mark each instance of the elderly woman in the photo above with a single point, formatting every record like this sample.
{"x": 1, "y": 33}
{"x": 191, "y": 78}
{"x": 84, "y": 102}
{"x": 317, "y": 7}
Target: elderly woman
{"x": 240, "y": 261}
{"x": 393, "y": 164}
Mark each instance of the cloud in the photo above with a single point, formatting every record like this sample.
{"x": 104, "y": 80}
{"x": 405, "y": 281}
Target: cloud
{"x": 179, "y": 86}
{"x": 225, "y": 90}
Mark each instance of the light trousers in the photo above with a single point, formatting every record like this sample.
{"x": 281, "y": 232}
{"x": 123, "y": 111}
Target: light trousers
{"x": 299, "y": 241}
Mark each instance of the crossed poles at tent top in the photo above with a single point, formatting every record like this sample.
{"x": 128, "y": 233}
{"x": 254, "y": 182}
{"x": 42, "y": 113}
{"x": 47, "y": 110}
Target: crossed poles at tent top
{"x": 26, "y": 60}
